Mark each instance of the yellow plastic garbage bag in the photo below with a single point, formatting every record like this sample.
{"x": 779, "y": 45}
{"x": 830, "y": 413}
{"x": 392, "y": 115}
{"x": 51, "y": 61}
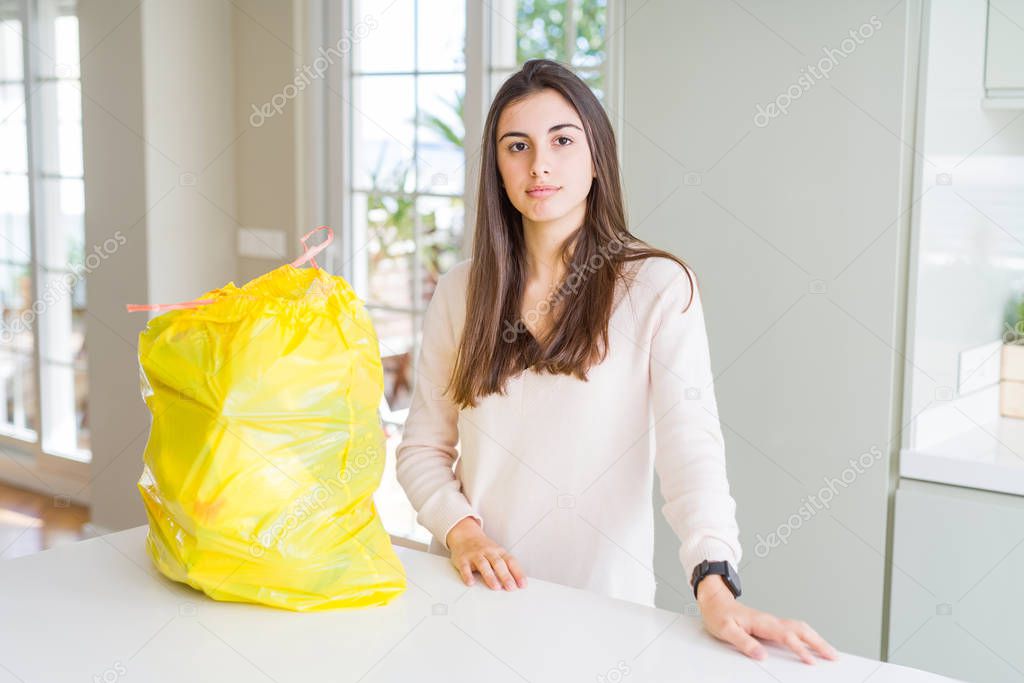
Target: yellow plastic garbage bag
{"x": 266, "y": 445}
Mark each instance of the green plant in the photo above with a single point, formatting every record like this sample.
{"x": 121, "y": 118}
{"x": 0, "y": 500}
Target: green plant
{"x": 1013, "y": 321}
{"x": 391, "y": 213}
{"x": 543, "y": 35}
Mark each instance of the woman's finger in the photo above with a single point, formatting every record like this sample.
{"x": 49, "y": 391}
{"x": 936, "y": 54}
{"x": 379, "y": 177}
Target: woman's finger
{"x": 741, "y": 640}
{"x": 781, "y": 631}
{"x": 767, "y": 626}
{"x": 502, "y": 572}
{"x": 793, "y": 642}
{"x": 517, "y": 571}
{"x": 818, "y": 643}
{"x": 466, "y": 572}
{"x": 483, "y": 565}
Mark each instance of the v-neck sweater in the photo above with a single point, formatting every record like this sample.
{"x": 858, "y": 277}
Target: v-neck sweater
{"x": 560, "y": 471}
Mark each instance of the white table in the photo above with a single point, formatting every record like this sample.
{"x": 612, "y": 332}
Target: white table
{"x": 97, "y": 610}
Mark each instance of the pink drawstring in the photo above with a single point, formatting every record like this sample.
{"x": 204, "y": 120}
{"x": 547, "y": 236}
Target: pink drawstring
{"x": 310, "y": 253}
{"x": 307, "y": 255}
{"x": 132, "y": 308}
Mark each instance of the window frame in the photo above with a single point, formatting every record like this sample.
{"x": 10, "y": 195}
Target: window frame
{"x": 31, "y": 455}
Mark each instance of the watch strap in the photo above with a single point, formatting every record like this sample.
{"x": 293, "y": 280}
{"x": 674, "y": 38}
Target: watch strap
{"x": 721, "y": 568}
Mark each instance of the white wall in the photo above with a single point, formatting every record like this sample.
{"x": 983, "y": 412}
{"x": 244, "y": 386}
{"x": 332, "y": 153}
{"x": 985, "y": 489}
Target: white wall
{"x": 794, "y": 228}
{"x": 173, "y": 161}
{"x": 157, "y": 114}
{"x": 188, "y": 86}
{"x": 114, "y": 151}
{"x": 266, "y": 155}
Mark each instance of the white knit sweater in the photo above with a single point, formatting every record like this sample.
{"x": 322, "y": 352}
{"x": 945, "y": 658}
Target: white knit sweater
{"x": 559, "y": 471}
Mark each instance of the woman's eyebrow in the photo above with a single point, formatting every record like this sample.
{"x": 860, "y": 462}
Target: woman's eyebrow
{"x": 552, "y": 129}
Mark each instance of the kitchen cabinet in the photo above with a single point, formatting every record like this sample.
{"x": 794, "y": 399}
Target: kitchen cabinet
{"x": 1004, "y": 54}
{"x": 957, "y": 595}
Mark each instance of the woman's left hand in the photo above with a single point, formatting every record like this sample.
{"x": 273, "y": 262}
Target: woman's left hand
{"x": 733, "y": 622}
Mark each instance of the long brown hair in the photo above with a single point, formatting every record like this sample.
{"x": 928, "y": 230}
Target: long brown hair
{"x": 488, "y": 355}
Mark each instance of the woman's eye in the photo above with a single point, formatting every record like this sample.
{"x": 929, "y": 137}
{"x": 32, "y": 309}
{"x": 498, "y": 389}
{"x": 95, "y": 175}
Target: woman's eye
{"x": 568, "y": 141}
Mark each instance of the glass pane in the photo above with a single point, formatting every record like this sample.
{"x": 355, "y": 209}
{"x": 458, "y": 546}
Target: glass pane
{"x": 442, "y": 35}
{"x": 65, "y": 401}
{"x": 17, "y": 394}
{"x": 54, "y": 50}
{"x": 63, "y": 219}
{"x": 13, "y": 148}
{"x": 65, "y": 30}
{"x": 395, "y": 333}
{"x": 591, "y": 21}
{"x": 60, "y": 114}
{"x": 389, "y": 250}
{"x": 14, "y": 237}
{"x": 396, "y": 512}
{"x": 82, "y": 407}
{"x": 62, "y": 335}
{"x": 78, "y": 299}
{"x": 17, "y": 376}
{"x": 497, "y": 78}
{"x": 18, "y": 317}
{"x": 541, "y": 30}
{"x": 442, "y": 133}
{"x": 77, "y": 340}
{"x": 59, "y": 408}
{"x": 64, "y": 338}
{"x": 10, "y": 43}
{"x": 384, "y": 115}
{"x": 504, "y": 34}
{"x": 594, "y": 79}
{"x": 442, "y": 220}
{"x": 386, "y": 29}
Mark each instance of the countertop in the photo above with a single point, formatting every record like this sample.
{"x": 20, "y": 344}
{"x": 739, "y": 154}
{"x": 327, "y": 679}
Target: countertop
{"x": 989, "y": 457}
{"x": 98, "y": 610}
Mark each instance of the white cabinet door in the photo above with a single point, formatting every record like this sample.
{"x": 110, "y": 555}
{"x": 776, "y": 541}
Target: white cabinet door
{"x": 1004, "y": 52}
{"x": 958, "y": 582}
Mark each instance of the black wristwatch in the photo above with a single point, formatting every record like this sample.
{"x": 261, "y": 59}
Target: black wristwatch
{"x": 723, "y": 569}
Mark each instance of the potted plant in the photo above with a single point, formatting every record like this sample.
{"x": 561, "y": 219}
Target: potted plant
{"x": 1011, "y": 365}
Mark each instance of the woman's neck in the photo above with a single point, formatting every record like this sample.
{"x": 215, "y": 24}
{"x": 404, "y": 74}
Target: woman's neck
{"x": 543, "y": 242}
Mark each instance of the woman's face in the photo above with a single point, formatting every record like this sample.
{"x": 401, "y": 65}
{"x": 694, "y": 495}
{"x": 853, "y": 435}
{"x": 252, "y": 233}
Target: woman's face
{"x": 541, "y": 143}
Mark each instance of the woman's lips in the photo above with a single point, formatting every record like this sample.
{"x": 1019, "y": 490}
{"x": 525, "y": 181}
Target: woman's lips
{"x": 542, "y": 192}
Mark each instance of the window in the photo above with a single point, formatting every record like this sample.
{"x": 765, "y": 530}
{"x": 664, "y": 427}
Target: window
{"x": 570, "y": 31}
{"x": 42, "y": 231}
{"x": 402, "y": 130}
{"x": 404, "y": 227}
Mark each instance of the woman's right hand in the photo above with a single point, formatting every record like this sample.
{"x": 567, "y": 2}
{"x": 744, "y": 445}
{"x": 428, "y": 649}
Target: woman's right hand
{"x": 471, "y": 550}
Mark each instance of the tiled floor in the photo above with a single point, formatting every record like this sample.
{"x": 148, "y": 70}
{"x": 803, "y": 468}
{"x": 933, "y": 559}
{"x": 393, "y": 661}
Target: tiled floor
{"x": 30, "y": 522}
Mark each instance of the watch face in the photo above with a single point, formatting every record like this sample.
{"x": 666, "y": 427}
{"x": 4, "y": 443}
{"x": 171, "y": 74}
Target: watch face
{"x": 733, "y": 577}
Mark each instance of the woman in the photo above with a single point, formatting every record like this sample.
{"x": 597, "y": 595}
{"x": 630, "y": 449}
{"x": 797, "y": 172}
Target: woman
{"x": 554, "y": 355}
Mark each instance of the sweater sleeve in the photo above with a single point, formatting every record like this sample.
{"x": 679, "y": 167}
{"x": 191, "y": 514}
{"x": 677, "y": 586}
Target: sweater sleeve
{"x": 690, "y": 451}
{"x": 427, "y": 452}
